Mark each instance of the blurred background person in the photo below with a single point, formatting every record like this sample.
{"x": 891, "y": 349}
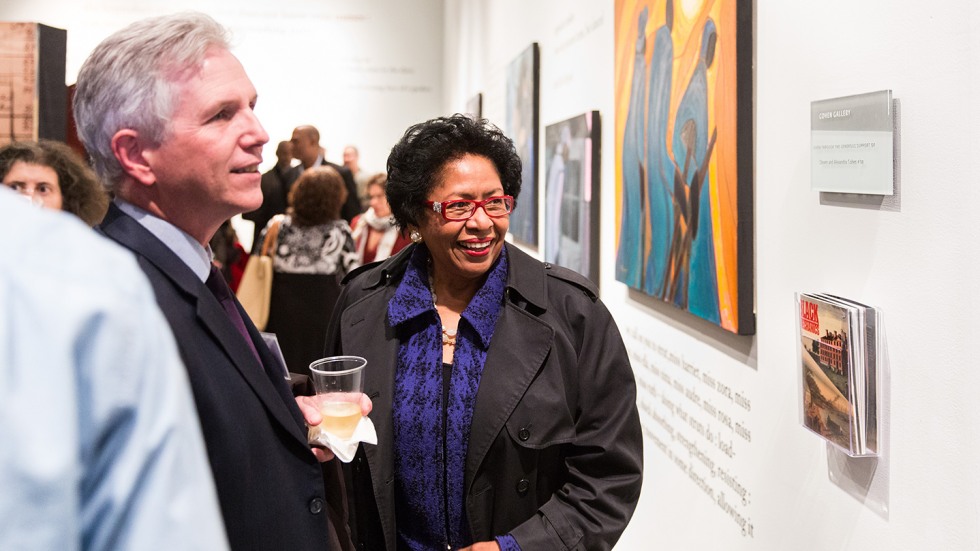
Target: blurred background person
{"x": 376, "y": 235}
{"x": 101, "y": 446}
{"x": 506, "y": 405}
{"x": 314, "y": 250}
{"x": 275, "y": 187}
{"x": 56, "y": 177}
{"x": 229, "y": 254}
{"x": 352, "y": 162}
{"x": 306, "y": 149}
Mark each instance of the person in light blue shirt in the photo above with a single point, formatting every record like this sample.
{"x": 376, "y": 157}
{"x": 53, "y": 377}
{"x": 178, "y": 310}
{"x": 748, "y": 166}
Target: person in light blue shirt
{"x": 101, "y": 445}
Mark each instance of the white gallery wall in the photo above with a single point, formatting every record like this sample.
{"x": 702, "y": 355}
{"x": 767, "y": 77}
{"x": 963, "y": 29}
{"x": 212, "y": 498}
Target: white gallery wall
{"x": 760, "y": 480}
{"x": 361, "y": 71}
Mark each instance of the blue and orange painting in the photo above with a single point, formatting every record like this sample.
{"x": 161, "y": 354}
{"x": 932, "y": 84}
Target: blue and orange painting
{"x": 683, "y": 176}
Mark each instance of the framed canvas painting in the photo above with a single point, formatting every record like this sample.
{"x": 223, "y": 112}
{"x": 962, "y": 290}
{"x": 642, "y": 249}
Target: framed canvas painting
{"x": 522, "y": 127}
{"x": 571, "y": 205}
{"x": 683, "y": 95}
{"x": 33, "y": 95}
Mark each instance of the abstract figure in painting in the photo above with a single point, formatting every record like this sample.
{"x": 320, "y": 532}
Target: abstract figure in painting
{"x": 630, "y": 253}
{"x": 659, "y": 175}
{"x": 690, "y": 278}
{"x": 679, "y": 265}
{"x": 680, "y": 194}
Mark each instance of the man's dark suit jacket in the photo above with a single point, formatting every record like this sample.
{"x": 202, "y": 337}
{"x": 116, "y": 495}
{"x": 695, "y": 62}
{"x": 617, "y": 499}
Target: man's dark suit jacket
{"x": 275, "y": 188}
{"x": 269, "y": 483}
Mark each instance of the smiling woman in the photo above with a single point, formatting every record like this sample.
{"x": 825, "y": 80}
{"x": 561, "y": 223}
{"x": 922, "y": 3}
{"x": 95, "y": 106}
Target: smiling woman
{"x": 478, "y": 350}
{"x": 463, "y": 249}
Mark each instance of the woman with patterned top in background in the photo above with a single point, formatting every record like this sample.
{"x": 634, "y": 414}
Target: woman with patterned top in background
{"x": 504, "y": 400}
{"x": 312, "y": 253}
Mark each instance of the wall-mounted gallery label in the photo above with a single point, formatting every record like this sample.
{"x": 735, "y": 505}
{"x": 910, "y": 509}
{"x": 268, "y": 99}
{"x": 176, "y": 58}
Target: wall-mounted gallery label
{"x": 852, "y": 144}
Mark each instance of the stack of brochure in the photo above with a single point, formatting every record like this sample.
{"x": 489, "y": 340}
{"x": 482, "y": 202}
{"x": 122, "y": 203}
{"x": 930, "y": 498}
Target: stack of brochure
{"x": 839, "y": 350}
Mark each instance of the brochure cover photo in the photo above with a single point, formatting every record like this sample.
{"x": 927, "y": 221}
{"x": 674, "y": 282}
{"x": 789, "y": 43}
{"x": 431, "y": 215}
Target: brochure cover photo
{"x": 838, "y": 343}
{"x": 827, "y": 394}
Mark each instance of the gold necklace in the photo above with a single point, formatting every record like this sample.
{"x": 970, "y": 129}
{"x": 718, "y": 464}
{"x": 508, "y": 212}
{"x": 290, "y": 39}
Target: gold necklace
{"x": 448, "y": 335}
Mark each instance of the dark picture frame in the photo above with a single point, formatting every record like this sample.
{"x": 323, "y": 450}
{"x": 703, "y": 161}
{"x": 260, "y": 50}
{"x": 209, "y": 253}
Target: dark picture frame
{"x": 521, "y": 125}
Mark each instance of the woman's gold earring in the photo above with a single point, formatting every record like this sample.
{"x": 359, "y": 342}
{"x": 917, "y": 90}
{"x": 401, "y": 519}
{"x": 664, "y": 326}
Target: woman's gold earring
{"x": 415, "y": 236}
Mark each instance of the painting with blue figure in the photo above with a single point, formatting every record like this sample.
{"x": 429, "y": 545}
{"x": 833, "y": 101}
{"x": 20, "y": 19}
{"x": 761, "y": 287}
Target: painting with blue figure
{"x": 660, "y": 174}
{"x": 629, "y": 255}
{"x": 692, "y": 282}
{"x": 683, "y": 95}
{"x": 703, "y": 287}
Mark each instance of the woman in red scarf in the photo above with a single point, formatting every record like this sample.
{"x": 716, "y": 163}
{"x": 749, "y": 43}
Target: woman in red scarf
{"x": 376, "y": 237}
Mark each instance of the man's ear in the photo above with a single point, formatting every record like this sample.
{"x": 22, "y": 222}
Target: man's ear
{"x": 128, "y": 149}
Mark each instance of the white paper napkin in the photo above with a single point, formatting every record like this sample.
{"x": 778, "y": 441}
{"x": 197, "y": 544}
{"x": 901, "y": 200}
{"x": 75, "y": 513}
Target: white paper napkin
{"x": 345, "y": 449}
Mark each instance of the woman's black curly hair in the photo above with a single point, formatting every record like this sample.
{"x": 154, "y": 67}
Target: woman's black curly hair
{"x": 417, "y": 160}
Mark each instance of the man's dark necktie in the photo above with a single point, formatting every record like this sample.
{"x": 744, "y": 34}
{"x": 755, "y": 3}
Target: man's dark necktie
{"x": 219, "y": 287}
{"x": 216, "y": 283}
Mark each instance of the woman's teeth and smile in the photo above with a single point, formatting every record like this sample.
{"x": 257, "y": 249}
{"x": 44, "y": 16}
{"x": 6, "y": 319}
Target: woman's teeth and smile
{"x": 476, "y": 246}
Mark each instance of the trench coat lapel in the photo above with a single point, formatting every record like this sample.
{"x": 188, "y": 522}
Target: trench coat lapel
{"x": 365, "y": 332}
{"x": 521, "y": 342}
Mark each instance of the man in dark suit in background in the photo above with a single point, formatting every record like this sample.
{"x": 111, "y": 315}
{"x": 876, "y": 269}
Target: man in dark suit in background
{"x": 306, "y": 148}
{"x": 166, "y": 112}
{"x": 275, "y": 188}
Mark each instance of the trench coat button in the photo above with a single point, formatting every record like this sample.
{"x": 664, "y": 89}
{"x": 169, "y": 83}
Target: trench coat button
{"x": 522, "y": 486}
{"x": 523, "y": 434}
{"x": 316, "y": 506}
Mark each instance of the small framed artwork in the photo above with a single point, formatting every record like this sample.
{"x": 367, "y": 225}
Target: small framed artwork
{"x": 474, "y": 107}
{"x": 571, "y": 205}
{"x": 522, "y": 127}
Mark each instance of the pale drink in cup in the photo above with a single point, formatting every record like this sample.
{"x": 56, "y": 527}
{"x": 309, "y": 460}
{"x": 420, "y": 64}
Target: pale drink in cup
{"x": 339, "y": 418}
{"x": 338, "y": 381}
